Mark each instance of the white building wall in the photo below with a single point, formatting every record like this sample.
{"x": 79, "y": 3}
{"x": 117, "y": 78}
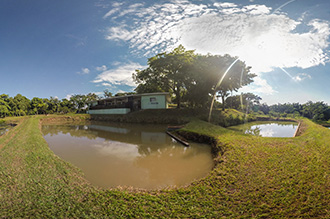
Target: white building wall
{"x": 153, "y": 102}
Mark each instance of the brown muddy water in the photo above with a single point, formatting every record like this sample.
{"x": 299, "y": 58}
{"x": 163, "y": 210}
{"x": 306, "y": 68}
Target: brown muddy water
{"x": 134, "y": 155}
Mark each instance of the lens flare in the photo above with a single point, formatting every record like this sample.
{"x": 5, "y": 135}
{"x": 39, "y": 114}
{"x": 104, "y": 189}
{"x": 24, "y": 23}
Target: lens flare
{"x": 288, "y": 74}
{"x": 218, "y": 85}
{"x": 279, "y": 8}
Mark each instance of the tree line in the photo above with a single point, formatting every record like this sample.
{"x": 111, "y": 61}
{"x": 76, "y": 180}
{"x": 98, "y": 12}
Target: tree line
{"x": 248, "y": 102}
{"x": 21, "y": 105}
{"x": 245, "y": 102}
{"x": 317, "y": 111}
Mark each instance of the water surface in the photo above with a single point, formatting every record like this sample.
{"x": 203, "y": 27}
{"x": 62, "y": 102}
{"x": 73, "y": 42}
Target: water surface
{"x": 268, "y": 129}
{"x": 141, "y": 156}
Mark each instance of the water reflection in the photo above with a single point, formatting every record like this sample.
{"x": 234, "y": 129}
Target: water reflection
{"x": 128, "y": 155}
{"x": 268, "y": 129}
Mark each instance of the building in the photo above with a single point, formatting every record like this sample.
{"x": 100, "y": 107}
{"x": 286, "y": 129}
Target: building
{"x": 129, "y": 103}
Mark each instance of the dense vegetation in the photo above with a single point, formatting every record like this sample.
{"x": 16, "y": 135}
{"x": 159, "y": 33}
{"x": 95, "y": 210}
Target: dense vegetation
{"x": 253, "y": 177}
{"x": 317, "y": 111}
{"x": 21, "y": 105}
{"x": 192, "y": 78}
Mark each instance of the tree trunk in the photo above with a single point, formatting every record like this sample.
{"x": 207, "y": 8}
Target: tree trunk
{"x": 178, "y": 98}
{"x": 223, "y": 102}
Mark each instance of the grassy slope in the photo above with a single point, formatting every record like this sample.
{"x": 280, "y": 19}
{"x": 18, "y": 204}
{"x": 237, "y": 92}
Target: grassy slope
{"x": 256, "y": 177}
{"x": 33, "y": 180}
{"x": 277, "y": 177}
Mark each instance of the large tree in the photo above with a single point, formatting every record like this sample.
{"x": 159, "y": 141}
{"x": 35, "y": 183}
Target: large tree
{"x": 22, "y": 105}
{"x": 201, "y": 82}
{"x": 38, "y": 105}
{"x": 192, "y": 78}
{"x": 232, "y": 76}
{"x": 53, "y": 105}
{"x": 166, "y": 72}
{"x": 211, "y": 74}
{"x": 244, "y": 101}
{"x": 316, "y": 111}
{"x": 107, "y": 93}
{"x": 79, "y": 102}
{"x": 66, "y": 106}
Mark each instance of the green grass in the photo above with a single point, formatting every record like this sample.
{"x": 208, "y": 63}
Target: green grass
{"x": 254, "y": 177}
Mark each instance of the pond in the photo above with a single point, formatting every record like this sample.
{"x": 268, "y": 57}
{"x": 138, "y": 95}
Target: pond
{"x": 130, "y": 155}
{"x": 268, "y": 129}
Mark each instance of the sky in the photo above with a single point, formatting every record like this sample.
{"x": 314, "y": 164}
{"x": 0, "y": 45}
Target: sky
{"x": 66, "y": 47}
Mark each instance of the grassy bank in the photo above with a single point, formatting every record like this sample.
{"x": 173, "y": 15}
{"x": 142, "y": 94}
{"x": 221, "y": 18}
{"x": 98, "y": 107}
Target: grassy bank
{"x": 224, "y": 118}
{"x": 152, "y": 116}
{"x": 253, "y": 178}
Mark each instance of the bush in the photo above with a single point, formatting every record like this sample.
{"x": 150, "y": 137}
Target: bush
{"x": 283, "y": 115}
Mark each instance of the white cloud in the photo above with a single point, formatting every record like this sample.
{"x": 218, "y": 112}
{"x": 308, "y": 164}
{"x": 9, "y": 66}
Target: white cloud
{"x": 114, "y": 8}
{"x": 120, "y": 91}
{"x": 98, "y": 93}
{"x": 262, "y": 39}
{"x": 224, "y": 5}
{"x": 118, "y": 33}
{"x": 111, "y": 12}
{"x": 117, "y": 4}
{"x": 68, "y": 96}
{"x": 256, "y": 9}
{"x": 107, "y": 85}
{"x": 116, "y": 63}
{"x": 301, "y": 77}
{"x": 121, "y": 75}
{"x": 260, "y": 86}
{"x": 84, "y": 71}
{"x": 101, "y": 68}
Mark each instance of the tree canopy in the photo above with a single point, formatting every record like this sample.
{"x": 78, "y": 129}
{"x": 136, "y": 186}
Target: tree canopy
{"x": 191, "y": 77}
{"x": 166, "y": 72}
{"x": 207, "y": 73}
{"x": 244, "y": 102}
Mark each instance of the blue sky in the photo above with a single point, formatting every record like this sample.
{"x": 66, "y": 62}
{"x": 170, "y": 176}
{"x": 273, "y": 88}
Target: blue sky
{"x": 60, "y": 48}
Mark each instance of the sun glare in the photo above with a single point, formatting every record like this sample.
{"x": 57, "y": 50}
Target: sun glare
{"x": 265, "y": 52}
